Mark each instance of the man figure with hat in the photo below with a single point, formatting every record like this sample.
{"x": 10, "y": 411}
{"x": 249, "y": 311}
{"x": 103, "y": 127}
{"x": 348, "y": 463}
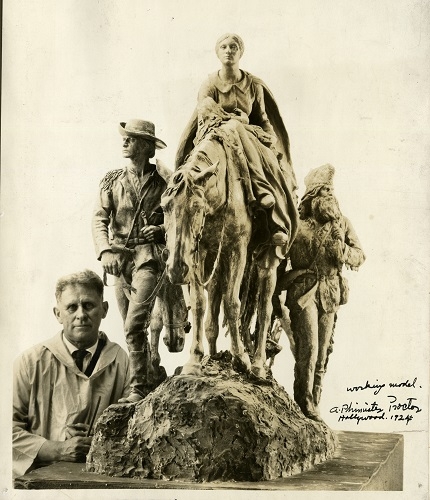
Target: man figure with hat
{"x": 315, "y": 286}
{"x": 129, "y": 238}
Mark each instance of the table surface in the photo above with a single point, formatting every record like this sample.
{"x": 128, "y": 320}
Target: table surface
{"x": 361, "y": 459}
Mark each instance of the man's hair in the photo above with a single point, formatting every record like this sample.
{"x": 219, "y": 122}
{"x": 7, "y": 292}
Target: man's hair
{"x": 147, "y": 145}
{"x": 305, "y": 208}
{"x": 86, "y": 278}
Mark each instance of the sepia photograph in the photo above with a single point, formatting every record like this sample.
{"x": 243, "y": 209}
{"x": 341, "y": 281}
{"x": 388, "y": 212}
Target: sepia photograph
{"x": 214, "y": 248}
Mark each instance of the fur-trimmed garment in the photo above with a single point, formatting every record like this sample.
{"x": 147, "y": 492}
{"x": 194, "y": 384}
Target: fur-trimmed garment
{"x": 316, "y": 251}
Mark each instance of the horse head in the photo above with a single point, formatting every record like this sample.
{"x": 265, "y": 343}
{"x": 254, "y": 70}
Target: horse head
{"x": 175, "y": 316}
{"x": 174, "y": 334}
{"x": 185, "y": 205}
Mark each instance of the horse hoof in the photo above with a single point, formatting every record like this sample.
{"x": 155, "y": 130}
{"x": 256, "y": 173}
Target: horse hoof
{"x": 241, "y": 363}
{"x": 258, "y": 371}
{"x": 255, "y": 379}
{"x": 192, "y": 369}
{"x": 159, "y": 376}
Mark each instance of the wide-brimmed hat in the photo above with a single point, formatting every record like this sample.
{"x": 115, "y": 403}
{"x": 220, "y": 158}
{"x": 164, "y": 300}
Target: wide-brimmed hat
{"x": 141, "y": 128}
{"x": 318, "y": 178}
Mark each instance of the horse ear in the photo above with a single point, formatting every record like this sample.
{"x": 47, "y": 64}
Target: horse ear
{"x": 207, "y": 172}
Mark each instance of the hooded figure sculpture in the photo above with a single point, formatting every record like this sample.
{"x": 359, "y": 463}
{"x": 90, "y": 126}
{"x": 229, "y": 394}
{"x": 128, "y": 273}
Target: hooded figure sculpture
{"x": 325, "y": 242}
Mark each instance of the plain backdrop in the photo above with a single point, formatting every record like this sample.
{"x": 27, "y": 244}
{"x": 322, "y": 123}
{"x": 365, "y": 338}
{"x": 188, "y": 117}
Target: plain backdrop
{"x": 351, "y": 79}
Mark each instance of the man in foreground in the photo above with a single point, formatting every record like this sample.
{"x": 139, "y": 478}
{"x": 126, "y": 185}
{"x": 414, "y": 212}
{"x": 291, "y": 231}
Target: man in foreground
{"x": 325, "y": 242}
{"x": 63, "y": 384}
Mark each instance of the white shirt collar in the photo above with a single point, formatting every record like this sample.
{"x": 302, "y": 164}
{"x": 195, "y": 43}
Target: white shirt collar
{"x": 71, "y": 348}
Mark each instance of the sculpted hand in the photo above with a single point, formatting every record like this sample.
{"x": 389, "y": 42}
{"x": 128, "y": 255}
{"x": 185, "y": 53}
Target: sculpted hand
{"x": 351, "y": 268}
{"x": 337, "y": 232}
{"x": 151, "y": 233}
{"x": 74, "y": 449}
{"x": 240, "y": 115}
{"x": 74, "y": 430}
{"x": 111, "y": 263}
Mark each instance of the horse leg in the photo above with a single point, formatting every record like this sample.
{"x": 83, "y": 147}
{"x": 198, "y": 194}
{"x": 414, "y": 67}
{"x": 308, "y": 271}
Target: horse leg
{"x": 275, "y": 335}
{"x": 247, "y": 307}
{"x": 286, "y": 325}
{"x": 212, "y": 319}
{"x": 198, "y": 308}
{"x": 156, "y": 326}
{"x": 267, "y": 279}
{"x": 158, "y": 372}
{"x": 175, "y": 314}
{"x": 237, "y": 260}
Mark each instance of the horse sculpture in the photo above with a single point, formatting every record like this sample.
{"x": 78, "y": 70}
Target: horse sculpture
{"x": 208, "y": 231}
{"x": 171, "y": 313}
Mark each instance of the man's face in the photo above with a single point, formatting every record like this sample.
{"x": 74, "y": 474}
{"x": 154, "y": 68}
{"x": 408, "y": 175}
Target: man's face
{"x": 130, "y": 146}
{"x": 326, "y": 191}
{"x": 80, "y": 310}
{"x": 136, "y": 147}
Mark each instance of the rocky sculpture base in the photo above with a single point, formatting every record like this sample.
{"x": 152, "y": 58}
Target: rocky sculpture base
{"x": 220, "y": 426}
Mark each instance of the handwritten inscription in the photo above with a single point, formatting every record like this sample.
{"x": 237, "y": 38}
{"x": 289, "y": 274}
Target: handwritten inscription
{"x": 378, "y": 387}
{"x": 391, "y": 406}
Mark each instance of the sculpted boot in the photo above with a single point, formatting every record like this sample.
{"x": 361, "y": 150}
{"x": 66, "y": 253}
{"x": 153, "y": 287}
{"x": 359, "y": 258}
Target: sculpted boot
{"x": 316, "y": 394}
{"x": 138, "y": 376}
{"x": 309, "y": 409}
{"x": 302, "y": 392}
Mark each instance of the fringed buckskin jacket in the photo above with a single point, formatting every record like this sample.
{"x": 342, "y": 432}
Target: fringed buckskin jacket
{"x": 123, "y": 208}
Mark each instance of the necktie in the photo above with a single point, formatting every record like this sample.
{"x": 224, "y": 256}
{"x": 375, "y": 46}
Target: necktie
{"x": 79, "y": 356}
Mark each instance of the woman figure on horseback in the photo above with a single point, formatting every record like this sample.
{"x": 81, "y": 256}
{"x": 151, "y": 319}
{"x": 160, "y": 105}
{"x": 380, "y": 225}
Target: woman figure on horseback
{"x": 241, "y": 112}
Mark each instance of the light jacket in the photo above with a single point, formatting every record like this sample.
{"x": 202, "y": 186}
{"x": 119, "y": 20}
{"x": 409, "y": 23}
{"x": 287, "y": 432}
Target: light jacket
{"x": 50, "y": 392}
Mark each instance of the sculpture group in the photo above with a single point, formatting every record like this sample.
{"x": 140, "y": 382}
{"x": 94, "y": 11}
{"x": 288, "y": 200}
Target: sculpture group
{"x": 231, "y": 219}
{"x": 226, "y": 223}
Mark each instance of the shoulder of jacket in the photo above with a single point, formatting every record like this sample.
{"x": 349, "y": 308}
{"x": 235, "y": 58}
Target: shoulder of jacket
{"x": 212, "y": 77}
{"x": 32, "y": 356}
{"x": 208, "y": 84}
{"x": 107, "y": 182}
{"x": 258, "y": 82}
{"x": 346, "y": 222}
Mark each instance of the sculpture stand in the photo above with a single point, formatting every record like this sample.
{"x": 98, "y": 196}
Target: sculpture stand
{"x": 217, "y": 427}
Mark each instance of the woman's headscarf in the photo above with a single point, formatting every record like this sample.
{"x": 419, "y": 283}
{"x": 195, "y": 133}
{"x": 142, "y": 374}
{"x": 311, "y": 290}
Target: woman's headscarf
{"x": 235, "y": 37}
